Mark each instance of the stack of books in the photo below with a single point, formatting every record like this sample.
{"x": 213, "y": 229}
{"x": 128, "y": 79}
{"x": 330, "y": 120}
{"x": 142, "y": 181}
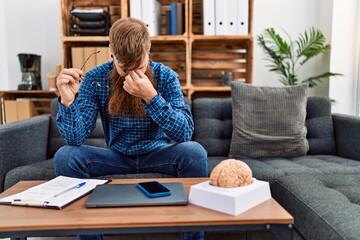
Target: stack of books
{"x": 175, "y": 19}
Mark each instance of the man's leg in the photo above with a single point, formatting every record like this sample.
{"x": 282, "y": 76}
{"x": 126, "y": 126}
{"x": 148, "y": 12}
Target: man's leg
{"x": 89, "y": 161}
{"x": 186, "y": 159}
{"x": 86, "y": 162}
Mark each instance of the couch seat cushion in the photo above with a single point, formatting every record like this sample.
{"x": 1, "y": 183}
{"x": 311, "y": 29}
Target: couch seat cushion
{"x": 37, "y": 171}
{"x": 324, "y": 207}
{"x": 45, "y": 171}
{"x": 270, "y": 169}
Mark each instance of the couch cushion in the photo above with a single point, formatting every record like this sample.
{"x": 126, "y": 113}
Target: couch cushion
{"x": 270, "y": 169}
{"x": 268, "y": 121}
{"x": 324, "y": 207}
{"x": 213, "y": 125}
{"x": 319, "y": 124}
{"x": 45, "y": 171}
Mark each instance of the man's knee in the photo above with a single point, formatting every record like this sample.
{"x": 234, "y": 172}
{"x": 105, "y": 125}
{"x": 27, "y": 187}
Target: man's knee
{"x": 63, "y": 157}
{"x": 195, "y": 150}
{"x": 197, "y": 157}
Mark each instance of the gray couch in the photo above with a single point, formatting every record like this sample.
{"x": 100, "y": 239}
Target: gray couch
{"x": 321, "y": 190}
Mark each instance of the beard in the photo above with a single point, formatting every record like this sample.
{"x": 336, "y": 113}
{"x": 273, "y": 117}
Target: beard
{"x": 122, "y": 103}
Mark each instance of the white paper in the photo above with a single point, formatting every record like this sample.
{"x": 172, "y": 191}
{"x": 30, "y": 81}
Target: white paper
{"x": 43, "y": 195}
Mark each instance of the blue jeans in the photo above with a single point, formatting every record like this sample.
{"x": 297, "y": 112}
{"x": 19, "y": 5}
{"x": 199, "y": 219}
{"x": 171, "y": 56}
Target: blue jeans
{"x": 186, "y": 159}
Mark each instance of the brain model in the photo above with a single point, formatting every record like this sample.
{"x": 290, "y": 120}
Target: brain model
{"x": 231, "y": 173}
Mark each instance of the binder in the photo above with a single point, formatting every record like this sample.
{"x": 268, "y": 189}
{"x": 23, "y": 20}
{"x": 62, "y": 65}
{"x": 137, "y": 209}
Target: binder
{"x": 56, "y": 193}
{"x": 243, "y": 17}
{"x": 220, "y": 17}
{"x": 180, "y": 18}
{"x": 168, "y": 22}
{"x": 209, "y": 17}
{"x": 151, "y": 16}
{"x": 174, "y": 19}
{"x": 231, "y": 16}
{"x": 136, "y": 9}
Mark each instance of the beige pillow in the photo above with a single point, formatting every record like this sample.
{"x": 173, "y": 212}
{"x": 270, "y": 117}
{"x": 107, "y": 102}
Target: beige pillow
{"x": 268, "y": 121}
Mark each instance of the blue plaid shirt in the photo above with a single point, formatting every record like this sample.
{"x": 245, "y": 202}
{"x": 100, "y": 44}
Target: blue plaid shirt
{"x": 168, "y": 118}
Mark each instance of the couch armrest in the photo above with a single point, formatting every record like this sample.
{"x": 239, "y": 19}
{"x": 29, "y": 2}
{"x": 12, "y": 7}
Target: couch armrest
{"x": 22, "y": 142}
{"x": 347, "y": 135}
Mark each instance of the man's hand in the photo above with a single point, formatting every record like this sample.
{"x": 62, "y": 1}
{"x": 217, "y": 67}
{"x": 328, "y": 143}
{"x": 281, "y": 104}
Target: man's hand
{"x": 68, "y": 84}
{"x": 138, "y": 84}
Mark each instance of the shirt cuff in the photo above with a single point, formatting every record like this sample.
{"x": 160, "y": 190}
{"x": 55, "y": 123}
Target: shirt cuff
{"x": 155, "y": 104}
{"x": 64, "y": 110}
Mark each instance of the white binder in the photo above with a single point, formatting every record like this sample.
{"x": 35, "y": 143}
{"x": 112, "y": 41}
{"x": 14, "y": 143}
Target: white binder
{"x": 209, "y": 17}
{"x": 136, "y": 9}
{"x": 220, "y": 17}
{"x": 151, "y": 16}
{"x": 243, "y": 17}
{"x": 232, "y": 16}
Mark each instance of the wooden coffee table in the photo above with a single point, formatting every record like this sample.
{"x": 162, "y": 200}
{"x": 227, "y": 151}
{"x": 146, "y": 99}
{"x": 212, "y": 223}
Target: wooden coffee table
{"x": 18, "y": 221}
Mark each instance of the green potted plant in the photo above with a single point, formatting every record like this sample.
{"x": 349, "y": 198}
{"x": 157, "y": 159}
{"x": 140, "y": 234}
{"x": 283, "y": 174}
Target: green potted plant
{"x": 287, "y": 56}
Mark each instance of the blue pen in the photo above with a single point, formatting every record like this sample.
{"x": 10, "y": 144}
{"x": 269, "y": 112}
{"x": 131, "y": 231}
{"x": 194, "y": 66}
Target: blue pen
{"x": 70, "y": 188}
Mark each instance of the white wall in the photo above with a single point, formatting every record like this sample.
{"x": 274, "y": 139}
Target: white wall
{"x": 344, "y": 55}
{"x": 30, "y": 27}
{"x": 4, "y": 83}
{"x": 293, "y": 16}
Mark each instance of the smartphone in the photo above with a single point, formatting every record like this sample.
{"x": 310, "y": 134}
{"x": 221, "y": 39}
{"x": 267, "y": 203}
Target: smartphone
{"x": 153, "y": 189}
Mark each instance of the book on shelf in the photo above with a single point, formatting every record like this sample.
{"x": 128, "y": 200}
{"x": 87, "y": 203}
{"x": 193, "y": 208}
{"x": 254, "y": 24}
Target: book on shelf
{"x": 177, "y": 18}
{"x": 168, "y": 22}
{"x": 56, "y": 193}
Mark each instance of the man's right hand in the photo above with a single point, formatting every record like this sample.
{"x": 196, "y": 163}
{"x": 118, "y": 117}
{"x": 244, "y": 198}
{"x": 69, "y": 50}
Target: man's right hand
{"x": 68, "y": 84}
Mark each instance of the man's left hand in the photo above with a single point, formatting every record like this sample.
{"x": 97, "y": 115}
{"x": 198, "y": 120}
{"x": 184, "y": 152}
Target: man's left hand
{"x": 138, "y": 84}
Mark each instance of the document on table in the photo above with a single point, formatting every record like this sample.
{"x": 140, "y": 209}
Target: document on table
{"x": 56, "y": 193}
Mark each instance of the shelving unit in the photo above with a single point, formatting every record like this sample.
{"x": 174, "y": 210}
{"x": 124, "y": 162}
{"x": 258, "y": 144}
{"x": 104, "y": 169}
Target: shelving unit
{"x": 198, "y": 59}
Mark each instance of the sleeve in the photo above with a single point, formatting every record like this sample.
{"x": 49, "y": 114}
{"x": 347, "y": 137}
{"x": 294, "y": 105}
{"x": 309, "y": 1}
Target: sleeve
{"x": 170, "y": 112}
{"x": 77, "y": 122}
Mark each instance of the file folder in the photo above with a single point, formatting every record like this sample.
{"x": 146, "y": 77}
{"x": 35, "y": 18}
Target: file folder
{"x": 231, "y": 16}
{"x": 151, "y": 16}
{"x": 136, "y": 9}
{"x": 243, "y": 17}
{"x": 220, "y": 17}
{"x": 209, "y": 17}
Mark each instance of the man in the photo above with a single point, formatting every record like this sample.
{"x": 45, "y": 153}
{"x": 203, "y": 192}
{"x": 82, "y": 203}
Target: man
{"x": 142, "y": 110}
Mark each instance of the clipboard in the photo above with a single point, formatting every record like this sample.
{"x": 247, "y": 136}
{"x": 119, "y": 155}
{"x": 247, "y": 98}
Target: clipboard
{"x": 56, "y": 193}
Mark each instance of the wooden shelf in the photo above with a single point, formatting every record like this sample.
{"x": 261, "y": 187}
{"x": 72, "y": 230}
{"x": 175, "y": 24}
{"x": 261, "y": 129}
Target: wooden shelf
{"x": 85, "y": 39}
{"x": 197, "y": 58}
{"x": 40, "y": 98}
{"x": 220, "y": 38}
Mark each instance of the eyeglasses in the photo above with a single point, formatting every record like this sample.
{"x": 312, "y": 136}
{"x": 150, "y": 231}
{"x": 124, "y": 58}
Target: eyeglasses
{"x": 94, "y": 53}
